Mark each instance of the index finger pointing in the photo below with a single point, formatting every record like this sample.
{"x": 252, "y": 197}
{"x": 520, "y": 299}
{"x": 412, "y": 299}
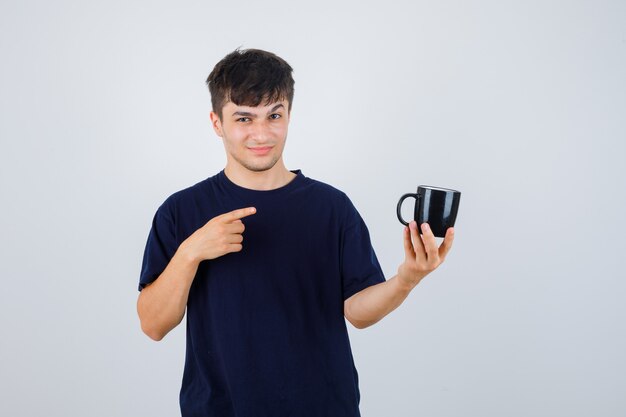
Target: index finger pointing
{"x": 239, "y": 214}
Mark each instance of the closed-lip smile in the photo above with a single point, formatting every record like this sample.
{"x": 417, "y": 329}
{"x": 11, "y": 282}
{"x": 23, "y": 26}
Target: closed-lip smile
{"x": 261, "y": 150}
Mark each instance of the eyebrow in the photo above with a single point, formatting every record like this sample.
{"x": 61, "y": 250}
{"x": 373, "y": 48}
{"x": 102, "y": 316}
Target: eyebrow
{"x": 248, "y": 114}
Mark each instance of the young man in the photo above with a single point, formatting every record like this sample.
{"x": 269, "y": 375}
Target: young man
{"x": 267, "y": 262}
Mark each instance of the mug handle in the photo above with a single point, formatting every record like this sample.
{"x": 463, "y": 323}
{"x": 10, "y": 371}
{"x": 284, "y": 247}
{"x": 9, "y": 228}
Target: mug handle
{"x": 398, "y": 209}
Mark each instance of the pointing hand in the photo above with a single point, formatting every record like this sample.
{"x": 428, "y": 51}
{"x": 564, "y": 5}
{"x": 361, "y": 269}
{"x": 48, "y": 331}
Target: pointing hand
{"x": 219, "y": 236}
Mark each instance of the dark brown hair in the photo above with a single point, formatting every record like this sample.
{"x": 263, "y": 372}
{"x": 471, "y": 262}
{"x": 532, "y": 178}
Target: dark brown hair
{"x": 247, "y": 77}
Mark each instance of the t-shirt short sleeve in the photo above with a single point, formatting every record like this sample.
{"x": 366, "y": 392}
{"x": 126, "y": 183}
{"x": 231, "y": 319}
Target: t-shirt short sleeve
{"x": 160, "y": 247}
{"x": 359, "y": 265}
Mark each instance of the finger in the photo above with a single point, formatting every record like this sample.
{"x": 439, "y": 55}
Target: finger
{"x": 447, "y": 243}
{"x": 409, "y": 252}
{"x": 418, "y": 245}
{"x": 239, "y": 214}
{"x": 235, "y": 247}
{"x": 430, "y": 244}
{"x": 235, "y": 238}
{"x": 235, "y": 227}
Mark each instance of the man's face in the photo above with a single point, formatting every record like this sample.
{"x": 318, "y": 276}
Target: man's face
{"x": 254, "y": 137}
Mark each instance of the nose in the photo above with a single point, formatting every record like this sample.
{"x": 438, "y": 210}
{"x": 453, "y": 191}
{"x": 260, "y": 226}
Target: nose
{"x": 261, "y": 132}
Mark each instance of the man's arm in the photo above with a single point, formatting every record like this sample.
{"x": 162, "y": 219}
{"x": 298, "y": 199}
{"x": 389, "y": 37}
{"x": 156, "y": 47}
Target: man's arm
{"x": 161, "y": 305}
{"x": 422, "y": 256}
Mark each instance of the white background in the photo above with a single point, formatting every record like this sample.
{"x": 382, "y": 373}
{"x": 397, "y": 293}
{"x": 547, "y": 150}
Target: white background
{"x": 519, "y": 105}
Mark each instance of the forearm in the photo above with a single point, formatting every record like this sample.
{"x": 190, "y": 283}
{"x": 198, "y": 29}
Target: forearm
{"x": 373, "y": 303}
{"x": 161, "y": 305}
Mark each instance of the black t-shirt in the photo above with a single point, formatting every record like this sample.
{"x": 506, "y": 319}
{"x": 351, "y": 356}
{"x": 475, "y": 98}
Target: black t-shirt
{"x": 266, "y": 334}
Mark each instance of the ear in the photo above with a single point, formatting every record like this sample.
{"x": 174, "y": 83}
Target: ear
{"x": 216, "y": 123}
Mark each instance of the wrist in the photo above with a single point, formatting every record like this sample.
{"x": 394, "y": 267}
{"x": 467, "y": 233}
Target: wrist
{"x": 404, "y": 285}
{"x": 408, "y": 280}
{"x": 186, "y": 253}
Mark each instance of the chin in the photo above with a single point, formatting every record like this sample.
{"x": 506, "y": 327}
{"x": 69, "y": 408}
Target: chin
{"x": 260, "y": 168}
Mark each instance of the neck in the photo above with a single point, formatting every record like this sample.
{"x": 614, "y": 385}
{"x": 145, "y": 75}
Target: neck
{"x": 275, "y": 177}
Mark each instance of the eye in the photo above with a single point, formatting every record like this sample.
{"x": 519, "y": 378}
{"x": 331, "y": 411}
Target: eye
{"x": 243, "y": 119}
{"x": 275, "y": 116}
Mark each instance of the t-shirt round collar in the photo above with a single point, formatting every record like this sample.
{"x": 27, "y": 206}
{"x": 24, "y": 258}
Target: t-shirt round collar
{"x": 228, "y": 184}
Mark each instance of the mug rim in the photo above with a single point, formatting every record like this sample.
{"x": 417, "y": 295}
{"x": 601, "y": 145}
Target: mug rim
{"x": 431, "y": 187}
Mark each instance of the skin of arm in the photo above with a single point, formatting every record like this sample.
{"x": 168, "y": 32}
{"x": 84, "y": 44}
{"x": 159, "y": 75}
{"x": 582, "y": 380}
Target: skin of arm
{"x": 161, "y": 305}
{"x": 422, "y": 256}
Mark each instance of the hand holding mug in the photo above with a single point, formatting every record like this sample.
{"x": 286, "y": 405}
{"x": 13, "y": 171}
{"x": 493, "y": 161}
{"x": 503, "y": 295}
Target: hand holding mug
{"x": 435, "y": 211}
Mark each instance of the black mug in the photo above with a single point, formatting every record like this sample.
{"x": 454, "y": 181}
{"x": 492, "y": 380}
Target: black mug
{"x": 433, "y": 205}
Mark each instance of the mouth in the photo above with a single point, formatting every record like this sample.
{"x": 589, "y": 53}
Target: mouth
{"x": 261, "y": 150}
